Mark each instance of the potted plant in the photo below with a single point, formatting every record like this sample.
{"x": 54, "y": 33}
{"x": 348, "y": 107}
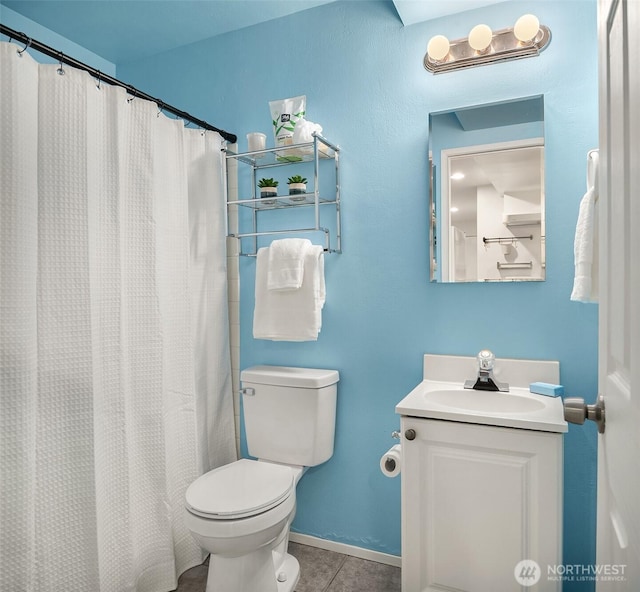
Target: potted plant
{"x": 297, "y": 185}
{"x": 268, "y": 187}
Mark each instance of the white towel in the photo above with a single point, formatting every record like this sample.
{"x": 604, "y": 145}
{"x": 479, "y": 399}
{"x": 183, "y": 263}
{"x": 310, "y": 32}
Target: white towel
{"x": 286, "y": 263}
{"x": 290, "y": 315}
{"x": 585, "y": 283}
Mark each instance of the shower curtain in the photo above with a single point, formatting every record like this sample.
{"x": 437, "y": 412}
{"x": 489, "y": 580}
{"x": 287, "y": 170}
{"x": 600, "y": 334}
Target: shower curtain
{"x": 115, "y": 388}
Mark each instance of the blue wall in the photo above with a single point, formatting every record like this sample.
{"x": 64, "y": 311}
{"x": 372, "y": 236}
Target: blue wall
{"x": 364, "y": 80}
{"x": 19, "y": 23}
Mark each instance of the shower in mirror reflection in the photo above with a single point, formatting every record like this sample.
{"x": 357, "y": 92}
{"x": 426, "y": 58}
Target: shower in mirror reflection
{"x": 488, "y": 192}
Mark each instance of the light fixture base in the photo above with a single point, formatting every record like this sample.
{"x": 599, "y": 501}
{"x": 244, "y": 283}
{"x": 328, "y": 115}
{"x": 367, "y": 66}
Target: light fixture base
{"x": 504, "y": 46}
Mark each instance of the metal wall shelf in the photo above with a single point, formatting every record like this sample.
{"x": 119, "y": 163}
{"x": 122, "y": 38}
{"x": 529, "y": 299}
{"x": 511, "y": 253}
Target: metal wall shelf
{"x": 281, "y": 201}
{"x": 272, "y": 157}
{"x": 311, "y": 152}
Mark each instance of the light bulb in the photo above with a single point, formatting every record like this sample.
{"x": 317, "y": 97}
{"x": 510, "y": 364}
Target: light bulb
{"x": 480, "y": 37}
{"x": 438, "y": 48}
{"x": 526, "y": 28}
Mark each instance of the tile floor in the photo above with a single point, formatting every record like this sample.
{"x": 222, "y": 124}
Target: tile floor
{"x": 320, "y": 571}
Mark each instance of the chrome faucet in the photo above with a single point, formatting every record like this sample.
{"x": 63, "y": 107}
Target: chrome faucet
{"x": 485, "y": 380}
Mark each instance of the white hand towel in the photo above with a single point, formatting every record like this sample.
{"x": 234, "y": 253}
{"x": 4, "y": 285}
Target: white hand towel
{"x": 286, "y": 263}
{"x": 585, "y": 283}
{"x": 290, "y": 315}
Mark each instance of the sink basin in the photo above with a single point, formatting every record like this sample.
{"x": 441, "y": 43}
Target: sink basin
{"x": 517, "y": 408}
{"x": 485, "y": 401}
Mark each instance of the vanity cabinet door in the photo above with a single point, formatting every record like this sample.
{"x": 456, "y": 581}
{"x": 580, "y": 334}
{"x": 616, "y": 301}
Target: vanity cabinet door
{"x": 476, "y": 501}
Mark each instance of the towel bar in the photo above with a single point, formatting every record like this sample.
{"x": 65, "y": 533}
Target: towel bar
{"x": 506, "y": 239}
{"x": 523, "y": 265}
{"x": 327, "y": 237}
{"x": 593, "y": 165}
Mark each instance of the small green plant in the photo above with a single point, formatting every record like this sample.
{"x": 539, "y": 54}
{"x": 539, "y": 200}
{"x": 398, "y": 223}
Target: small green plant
{"x": 267, "y": 183}
{"x": 296, "y": 179}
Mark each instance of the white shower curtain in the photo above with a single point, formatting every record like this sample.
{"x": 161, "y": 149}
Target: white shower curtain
{"x": 115, "y": 387}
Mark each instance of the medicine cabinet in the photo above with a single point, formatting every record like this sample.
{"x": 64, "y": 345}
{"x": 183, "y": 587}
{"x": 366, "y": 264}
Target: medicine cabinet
{"x": 311, "y": 217}
{"x": 487, "y": 192}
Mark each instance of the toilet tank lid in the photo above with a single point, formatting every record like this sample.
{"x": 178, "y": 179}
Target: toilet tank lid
{"x": 288, "y": 376}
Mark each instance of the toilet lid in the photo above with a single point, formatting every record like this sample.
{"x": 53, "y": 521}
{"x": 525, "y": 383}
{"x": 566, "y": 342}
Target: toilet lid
{"x": 240, "y": 489}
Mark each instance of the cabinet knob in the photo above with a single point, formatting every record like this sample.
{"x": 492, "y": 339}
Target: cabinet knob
{"x": 410, "y": 434}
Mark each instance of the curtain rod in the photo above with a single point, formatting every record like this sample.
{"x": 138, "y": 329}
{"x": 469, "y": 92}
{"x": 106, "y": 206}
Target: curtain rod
{"x": 58, "y": 55}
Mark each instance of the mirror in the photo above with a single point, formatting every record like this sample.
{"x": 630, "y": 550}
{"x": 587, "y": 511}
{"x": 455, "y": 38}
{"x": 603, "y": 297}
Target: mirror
{"x": 486, "y": 190}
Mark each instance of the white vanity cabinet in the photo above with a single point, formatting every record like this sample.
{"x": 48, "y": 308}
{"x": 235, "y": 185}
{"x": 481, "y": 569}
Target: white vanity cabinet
{"x": 476, "y": 501}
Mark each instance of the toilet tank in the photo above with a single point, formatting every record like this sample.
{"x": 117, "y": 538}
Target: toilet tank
{"x": 290, "y": 413}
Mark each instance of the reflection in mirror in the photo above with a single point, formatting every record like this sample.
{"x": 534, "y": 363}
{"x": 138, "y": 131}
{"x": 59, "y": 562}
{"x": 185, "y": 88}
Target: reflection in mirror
{"x": 487, "y": 190}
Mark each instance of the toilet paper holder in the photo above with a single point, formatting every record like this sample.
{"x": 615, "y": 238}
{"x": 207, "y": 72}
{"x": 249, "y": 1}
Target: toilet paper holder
{"x": 390, "y": 462}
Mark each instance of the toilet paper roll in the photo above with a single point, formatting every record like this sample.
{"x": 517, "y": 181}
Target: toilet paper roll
{"x": 391, "y": 461}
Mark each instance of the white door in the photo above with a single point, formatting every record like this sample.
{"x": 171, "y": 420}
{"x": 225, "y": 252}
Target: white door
{"x": 619, "y": 347}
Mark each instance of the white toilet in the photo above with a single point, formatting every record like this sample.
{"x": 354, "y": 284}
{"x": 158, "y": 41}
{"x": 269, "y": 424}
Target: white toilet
{"x": 241, "y": 512}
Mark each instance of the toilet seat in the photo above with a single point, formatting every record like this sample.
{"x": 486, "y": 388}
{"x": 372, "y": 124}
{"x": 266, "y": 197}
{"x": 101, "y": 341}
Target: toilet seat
{"x": 239, "y": 490}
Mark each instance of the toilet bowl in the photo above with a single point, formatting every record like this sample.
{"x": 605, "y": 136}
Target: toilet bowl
{"x": 241, "y": 512}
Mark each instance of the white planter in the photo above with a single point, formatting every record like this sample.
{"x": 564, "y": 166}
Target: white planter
{"x": 297, "y": 188}
{"x": 268, "y": 192}
{"x": 297, "y": 191}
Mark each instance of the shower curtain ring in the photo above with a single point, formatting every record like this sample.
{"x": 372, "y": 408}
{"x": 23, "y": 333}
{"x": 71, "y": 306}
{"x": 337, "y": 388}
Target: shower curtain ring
{"x": 27, "y": 46}
{"x": 60, "y": 69}
{"x": 99, "y": 78}
{"x": 133, "y": 92}
{"x": 160, "y": 109}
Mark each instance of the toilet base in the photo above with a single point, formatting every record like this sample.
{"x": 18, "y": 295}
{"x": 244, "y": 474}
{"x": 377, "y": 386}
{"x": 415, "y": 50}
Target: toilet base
{"x": 253, "y": 573}
{"x": 291, "y": 569}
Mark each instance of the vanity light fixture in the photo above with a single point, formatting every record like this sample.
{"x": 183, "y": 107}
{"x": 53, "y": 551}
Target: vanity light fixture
{"x": 527, "y": 38}
{"x": 457, "y": 176}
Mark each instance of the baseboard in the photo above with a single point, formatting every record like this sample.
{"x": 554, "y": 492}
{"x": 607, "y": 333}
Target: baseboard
{"x": 306, "y": 539}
